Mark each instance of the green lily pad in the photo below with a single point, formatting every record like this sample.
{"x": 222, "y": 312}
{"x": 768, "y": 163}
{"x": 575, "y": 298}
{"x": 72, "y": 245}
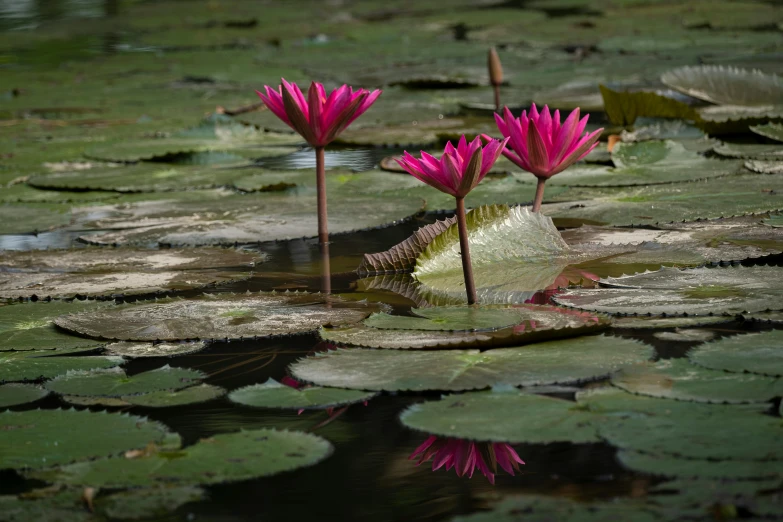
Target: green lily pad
{"x": 765, "y": 167}
{"x": 484, "y": 416}
{"x": 665, "y": 129}
{"x": 84, "y": 400}
{"x": 757, "y": 353}
{"x": 14, "y": 394}
{"x": 272, "y": 394}
{"x": 770, "y": 317}
{"x": 148, "y": 503}
{"x": 44, "y": 438}
{"x": 732, "y": 119}
{"x": 23, "y": 193}
{"x": 669, "y": 322}
{"x": 30, "y": 218}
{"x": 727, "y": 196}
{"x": 698, "y": 291}
{"x": 143, "y": 177}
{"x": 30, "y": 326}
{"x": 114, "y": 383}
{"x": 726, "y": 85}
{"x": 534, "y": 323}
{"x": 65, "y": 506}
{"x": 531, "y": 508}
{"x": 681, "y": 380}
{"x": 33, "y": 365}
{"x": 750, "y": 151}
{"x": 773, "y": 131}
{"x": 555, "y": 362}
{"x": 222, "y": 316}
{"x": 227, "y": 457}
{"x": 647, "y": 163}
{"x": 669, "y": 466}
{"x": 170, "y": 398}
{"x": 457, "y": 318}
{"x": 133, "y": 350}
{"x": 695, "y": 497}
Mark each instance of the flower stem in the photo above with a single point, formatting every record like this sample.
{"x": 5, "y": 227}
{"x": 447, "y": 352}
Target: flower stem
{"x": 326, "y": 273}
{"x": 497, "y": 97}
{"x": 464, "y": 247}
{"x": 539, "y": 195}
{"x": 320, "y": 179}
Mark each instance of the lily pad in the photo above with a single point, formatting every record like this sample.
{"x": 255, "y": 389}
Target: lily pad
{"x": 555, "y": 362}
{"x": 531, "y": 508}
{"x": 30, "y": 326}
{"x": 222, "y": 316}
{"x": 773, "y": 131}
{"x": 457, "y": 318}
{"x": 105, "y": 402}
{"x": 272, "y": 394}
{"x": 148, "y": 503}
{"x": 669, "y": 466}
{"x": 143, "y": 177}
{"x": 624, "y": 108}
{"x": 65, "y": 506}
{"x": 484, "y": 416}
{"x": 32, "y": 218}
{"x": 34, "y": 365}
{"x": 699, "y": 291}
{"x": 647, "y": 163}
{"x": 14, "y": 394}
{"x": 681, "y": 380}
{"x": 757, "y": 353}
{"x": 169, "y": 398}
{"x": 765, "y": 167}
{"x": 133, "y": 350}
{"x": 686, "y": 335}
{"x": 227, "y": 457}
{"x": 750, "y": 151}
{"x": 534, "y": 323}
{"x": 726, "y": 85}
{"x": 114, "y": 383}
{"x": 669, "y": 322}
{"x": 44, "y": 438}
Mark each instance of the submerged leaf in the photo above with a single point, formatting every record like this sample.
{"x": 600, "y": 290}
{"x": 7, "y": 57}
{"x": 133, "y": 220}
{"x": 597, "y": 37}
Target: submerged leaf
{"x": 138, "y": 504}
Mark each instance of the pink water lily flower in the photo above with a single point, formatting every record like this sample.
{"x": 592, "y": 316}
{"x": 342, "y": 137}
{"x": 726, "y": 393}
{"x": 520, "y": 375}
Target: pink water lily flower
{"x": 318, "y": 118}
{"x": 542, "y": 145}
{"x": 457, "y": 172}
{"x": 467, "y": 456}
{"x": 460, "y": 168}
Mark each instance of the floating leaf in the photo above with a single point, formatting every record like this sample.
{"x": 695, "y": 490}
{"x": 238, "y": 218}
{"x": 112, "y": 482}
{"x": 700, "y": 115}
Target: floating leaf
{"x": 45, "y": 438}
{"x": 534, "y": 323}
{"x": 30, "y": 326}
{"x": 681, "y": 380}
{"x": 669, "y": 466}
{"x": 765, "y": 167}
{"x": 750, "y": 151}
{"x": 623, "y": 107}
{"x": 169, "y": 398}
{"x": 84, "y": 400}
{"x": 402, "y": 257}
{"x": 15, "y": 394}
{"x": 673, "y": 291}
{"x": 133, "y": 350}
{"x": 227, "y": 457}
{"x": 647, "y": 163}
{"x": 484, "y": 416}
{"x": 685, "y": 336}
{"x": 65, "y": 506}
{"x": 272, "y": 394}
{"x": 32, "y": 218}
{"x": 726, "y": 85}
{"x": 773, "y": 131}
{"x": 222, "y": 316}
{"x": 669, "y": 322}
{"x": 532, "y": 508}
{"x": 555, "y": 362}
{"x": 456, "y": 318}
{"x": 759, "y": 353}
{"x": 732, "y": 119}
{"x": 34, "y": 365}
{"x": 141, "y": 504}
{"x": 114, "y": 383}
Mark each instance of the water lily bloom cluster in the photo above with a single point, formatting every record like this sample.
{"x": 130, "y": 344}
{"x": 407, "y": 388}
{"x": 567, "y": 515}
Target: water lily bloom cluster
{"x": 457, "y": 172}
{"x": 319, "y": 118}
{"x": 542, "y": 145}
{"x": 466, "y": 456}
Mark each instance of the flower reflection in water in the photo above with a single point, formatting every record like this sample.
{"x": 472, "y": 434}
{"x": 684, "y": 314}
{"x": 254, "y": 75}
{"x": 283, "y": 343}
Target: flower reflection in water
{"x": 467, "y": 456}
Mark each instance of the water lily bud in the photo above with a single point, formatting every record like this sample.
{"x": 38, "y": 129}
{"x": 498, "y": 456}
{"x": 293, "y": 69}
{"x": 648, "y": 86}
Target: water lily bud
{"x": 495, "y": 69}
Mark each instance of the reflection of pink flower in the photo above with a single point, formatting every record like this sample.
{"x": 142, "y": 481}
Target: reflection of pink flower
{"x": 465, "y": 456}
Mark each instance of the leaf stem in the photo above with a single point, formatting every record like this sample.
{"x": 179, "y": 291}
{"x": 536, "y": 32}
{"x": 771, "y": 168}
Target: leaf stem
{"x": 497, "y": 97}
{"x": 539, "y": 195}
{"x": 320, "y": 178}
{"x": 464, "y": 247}
{"x": 326, "y": 273}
